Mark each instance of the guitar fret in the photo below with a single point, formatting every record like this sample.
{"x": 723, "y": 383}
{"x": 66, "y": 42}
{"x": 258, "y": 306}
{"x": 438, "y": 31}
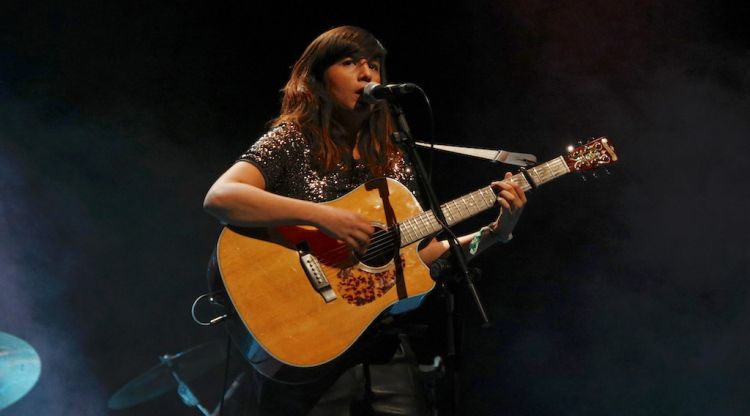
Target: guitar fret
{"x": 554, "y": 168}
{"x": 433, "y": 223}
{"x": 465, "y": 207}
{"x": 404, "y": 237}
{"x": 557, "y": 167}
{"x": 412, "y": 230}
{"x": 417, "y": 225}
{"x": 451, "y": 207}
{"x": 404, "y": 229}
{"x": 489, "y": 200}
{"x": 448, "y": 214}
{"x": 425, "y": 224}
{"x": 564, "y": 169}
{"x": 550, "y": 172}
{"x": 488, "y": 195}
{"x": 539, "y": 174}
{"x": 482, "y": 199}
{"x": 543, "y": 171}
{"x": 520, "y": 180}
{"x": 546, "y": 172}
{"x": 534, "y": 173}
{"x": 474, "y": 204}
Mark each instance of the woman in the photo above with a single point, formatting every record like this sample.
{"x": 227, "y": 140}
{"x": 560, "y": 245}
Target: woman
{"x": 325, "y": 143}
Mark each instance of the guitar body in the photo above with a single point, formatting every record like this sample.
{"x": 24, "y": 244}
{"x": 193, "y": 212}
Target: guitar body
{"x": 284, "y": 326}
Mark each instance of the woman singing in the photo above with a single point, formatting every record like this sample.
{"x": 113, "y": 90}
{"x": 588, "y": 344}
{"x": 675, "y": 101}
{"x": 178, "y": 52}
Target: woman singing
{"x": 326, "y": 142}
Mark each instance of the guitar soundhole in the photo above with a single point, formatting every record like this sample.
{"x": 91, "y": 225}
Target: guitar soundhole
{"x": 381, "y": 250}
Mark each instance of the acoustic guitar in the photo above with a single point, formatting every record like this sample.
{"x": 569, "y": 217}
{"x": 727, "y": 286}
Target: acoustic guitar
{"x": 301, "y": 298}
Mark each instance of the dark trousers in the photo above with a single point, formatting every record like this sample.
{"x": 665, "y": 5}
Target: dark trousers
{"x": 388, "y": 384}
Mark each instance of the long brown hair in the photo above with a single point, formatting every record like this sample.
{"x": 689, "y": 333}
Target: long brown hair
{"x": 307, "y": 104}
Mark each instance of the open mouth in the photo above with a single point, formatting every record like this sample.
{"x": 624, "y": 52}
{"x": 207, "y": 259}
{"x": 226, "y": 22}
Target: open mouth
{"x": 360, "y": 96}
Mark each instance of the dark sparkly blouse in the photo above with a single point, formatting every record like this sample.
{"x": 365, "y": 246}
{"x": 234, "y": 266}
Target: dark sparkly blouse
{"x": 284, "y": 158}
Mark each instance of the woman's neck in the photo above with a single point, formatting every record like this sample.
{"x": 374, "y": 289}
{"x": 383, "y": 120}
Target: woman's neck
{"x": 351, "y": 122}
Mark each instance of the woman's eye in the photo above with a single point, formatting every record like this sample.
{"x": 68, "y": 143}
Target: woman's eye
{"x": 375, "y": 67}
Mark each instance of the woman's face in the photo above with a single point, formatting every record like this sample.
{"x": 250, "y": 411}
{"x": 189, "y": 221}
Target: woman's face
{"x": 346, "y": 79}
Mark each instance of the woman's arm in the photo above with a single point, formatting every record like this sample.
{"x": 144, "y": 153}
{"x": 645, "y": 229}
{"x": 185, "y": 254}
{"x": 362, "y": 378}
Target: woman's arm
{"x": 511, "y": 199}
{"x": 239, "y": 198}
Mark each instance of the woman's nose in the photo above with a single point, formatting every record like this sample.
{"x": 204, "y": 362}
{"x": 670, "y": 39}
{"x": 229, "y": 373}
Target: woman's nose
{"x": 365, "y": 72}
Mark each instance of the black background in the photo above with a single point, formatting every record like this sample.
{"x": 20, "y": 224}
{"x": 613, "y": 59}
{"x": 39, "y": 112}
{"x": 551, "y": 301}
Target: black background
{"x": 622, "y": 295}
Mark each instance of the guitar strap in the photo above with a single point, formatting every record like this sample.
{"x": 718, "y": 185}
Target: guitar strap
{"x": 502, "y": 156}
{"x": 400, "y": 282}
{"x": 391, "y": 221}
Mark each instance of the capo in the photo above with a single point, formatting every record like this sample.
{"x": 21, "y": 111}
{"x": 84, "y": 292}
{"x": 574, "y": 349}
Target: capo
{"x": 528, "y": 177}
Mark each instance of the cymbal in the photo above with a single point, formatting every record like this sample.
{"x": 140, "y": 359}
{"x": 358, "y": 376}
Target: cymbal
{"x": 189, "y": 364}
{"x": 20, "y": 368}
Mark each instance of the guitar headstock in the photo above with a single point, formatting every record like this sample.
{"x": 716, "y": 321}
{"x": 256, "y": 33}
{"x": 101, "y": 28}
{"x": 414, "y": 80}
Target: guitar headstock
{"x": 595, "y": 154}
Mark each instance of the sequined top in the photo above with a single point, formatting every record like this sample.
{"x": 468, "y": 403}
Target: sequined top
{"x": 285, "y": 159}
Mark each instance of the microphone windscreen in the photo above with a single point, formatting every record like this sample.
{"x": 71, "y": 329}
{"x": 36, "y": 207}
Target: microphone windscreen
{"x": 368, "y": 94}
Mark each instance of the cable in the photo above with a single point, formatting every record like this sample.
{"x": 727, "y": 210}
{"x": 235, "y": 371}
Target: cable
{"x": 226, "y": 376}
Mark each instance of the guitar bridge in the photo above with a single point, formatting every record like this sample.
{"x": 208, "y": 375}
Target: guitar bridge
{"x": 314, "y": 273}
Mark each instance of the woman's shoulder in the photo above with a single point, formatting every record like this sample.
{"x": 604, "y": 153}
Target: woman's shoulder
{"x": 285, "y": 137}
{"x": 282, "y": 141}
{"x": 285, "y": 133}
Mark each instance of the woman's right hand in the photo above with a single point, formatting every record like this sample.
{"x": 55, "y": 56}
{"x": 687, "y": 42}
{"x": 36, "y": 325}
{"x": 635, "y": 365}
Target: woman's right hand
{"x": 345, "y": 226}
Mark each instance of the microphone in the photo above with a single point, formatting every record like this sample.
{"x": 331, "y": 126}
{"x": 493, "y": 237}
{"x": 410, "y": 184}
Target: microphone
{"x": 374, "y": 91}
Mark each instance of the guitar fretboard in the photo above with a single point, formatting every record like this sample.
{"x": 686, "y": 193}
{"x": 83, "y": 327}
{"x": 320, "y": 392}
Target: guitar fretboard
{"x": 459, "y": 209}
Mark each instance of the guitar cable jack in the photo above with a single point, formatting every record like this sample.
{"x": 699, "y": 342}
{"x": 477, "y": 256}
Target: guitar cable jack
{"x": 215, "y": 320}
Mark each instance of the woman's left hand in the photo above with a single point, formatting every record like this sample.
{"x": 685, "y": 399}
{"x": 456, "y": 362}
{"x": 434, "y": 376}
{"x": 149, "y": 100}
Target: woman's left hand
{"x": 512, "y": 200}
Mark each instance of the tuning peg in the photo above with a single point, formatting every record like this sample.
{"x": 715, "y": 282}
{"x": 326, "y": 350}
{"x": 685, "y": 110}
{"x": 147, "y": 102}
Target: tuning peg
{"x": 606, "y": 171}
{"x": 595, "y": 175}
{"x": 583, "y": 177}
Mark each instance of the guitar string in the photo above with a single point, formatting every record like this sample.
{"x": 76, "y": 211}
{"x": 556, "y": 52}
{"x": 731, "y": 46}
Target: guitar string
{"x": 369, "y": 255}
{"x": 382, "y": 240}
{"x": 380, "y": 237}
{"x": 383, "y": 244}
{"x": 327, "y": 269}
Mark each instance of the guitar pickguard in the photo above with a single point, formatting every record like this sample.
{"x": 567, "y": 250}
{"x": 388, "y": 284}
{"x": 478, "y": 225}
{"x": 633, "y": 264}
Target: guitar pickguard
{"x": 360, "y": 287}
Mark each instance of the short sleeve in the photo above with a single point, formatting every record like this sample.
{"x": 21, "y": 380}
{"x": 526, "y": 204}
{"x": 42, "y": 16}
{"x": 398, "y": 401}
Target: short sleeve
{"x": 275, "y": 153}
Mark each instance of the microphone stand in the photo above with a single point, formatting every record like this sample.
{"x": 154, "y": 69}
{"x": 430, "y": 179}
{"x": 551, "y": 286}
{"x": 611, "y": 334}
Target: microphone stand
{"x": 404, "y": 138}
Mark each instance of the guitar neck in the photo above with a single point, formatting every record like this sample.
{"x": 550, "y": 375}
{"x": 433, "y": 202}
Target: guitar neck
{"x": 459, "y": 209}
